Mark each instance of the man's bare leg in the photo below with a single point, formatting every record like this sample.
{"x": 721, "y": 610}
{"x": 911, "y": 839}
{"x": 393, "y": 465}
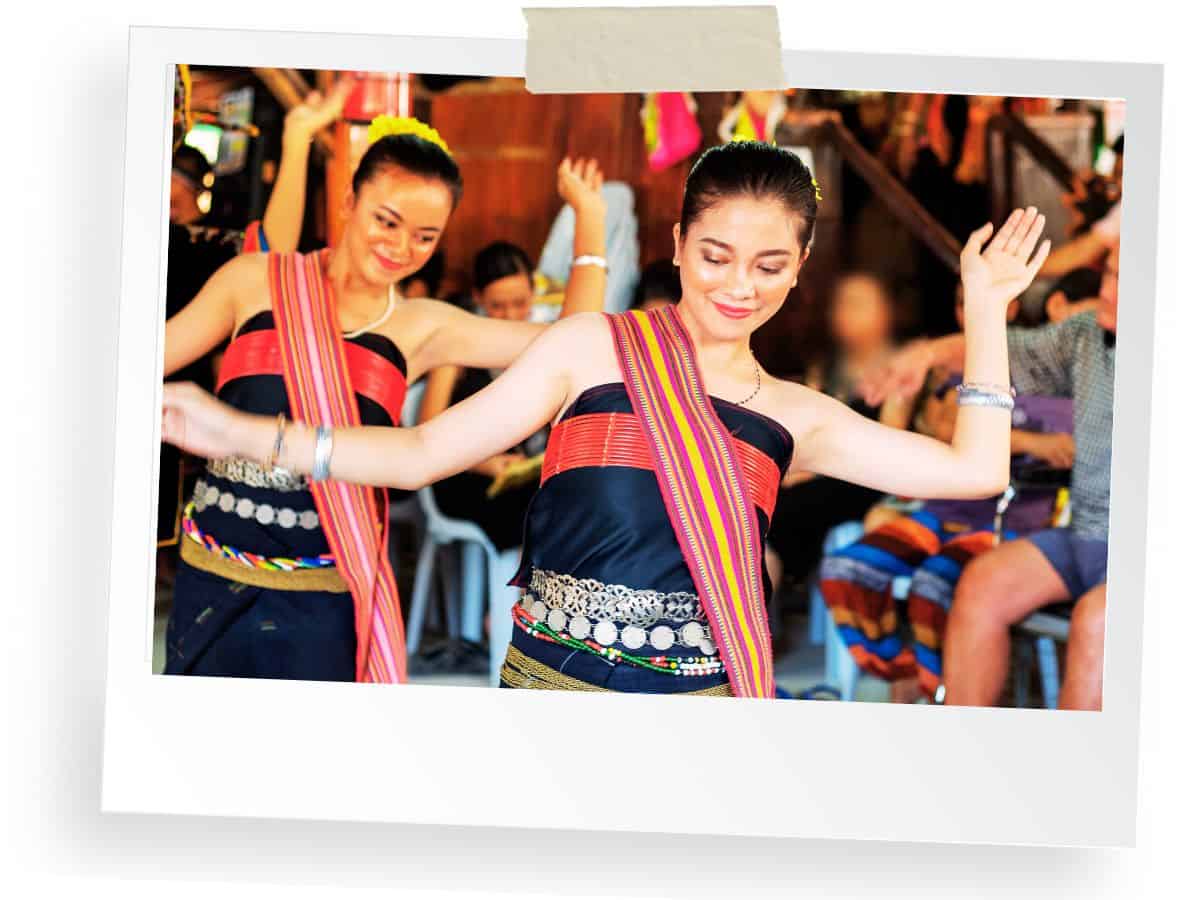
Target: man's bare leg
{"x": 1085, "y": 652}
{"x": 997, "y": 589}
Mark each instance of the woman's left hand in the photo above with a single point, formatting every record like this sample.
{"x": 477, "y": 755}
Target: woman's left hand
{"x": 579, "y": 183}
{"x": 1004, "y": 269}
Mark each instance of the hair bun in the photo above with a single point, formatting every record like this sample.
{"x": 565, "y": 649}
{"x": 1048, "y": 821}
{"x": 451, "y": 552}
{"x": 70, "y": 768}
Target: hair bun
{"x": 385, "y": 126}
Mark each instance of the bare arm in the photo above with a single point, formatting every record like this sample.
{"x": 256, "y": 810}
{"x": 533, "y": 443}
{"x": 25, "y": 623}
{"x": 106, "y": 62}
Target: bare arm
{"x": 521, "y": 400}
{"x": 439, "y": 390}
{"x": 209, "y": 318}
{"x": 462, "y": 339}
{"x": 283, "y": 219}
{"x": 840, "y": 443}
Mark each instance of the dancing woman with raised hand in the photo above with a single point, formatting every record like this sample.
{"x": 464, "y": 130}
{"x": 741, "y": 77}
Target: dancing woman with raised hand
{"x": 282, "y": 576}
{"x": 643, "y": 566}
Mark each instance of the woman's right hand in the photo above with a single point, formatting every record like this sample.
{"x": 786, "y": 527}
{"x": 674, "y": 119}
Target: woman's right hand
{"x": 196, "y": 421}
{"x": 305, "y": 120}
{"x": 579, "y": 183}
{"x": 495, "y": 466}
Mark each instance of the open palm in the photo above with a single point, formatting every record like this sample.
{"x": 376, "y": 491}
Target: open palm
{"x": 1007, "y": 266}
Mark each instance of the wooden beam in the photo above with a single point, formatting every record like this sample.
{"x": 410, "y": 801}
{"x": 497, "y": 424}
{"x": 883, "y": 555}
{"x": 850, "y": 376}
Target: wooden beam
{"x": 895, "y": 196}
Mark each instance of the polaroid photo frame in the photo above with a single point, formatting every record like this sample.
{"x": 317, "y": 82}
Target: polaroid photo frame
{"x": 423, "y": 754}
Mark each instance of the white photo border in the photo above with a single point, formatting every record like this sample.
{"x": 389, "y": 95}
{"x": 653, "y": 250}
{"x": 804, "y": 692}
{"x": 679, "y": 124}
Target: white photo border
{"x": 480, "y": 756}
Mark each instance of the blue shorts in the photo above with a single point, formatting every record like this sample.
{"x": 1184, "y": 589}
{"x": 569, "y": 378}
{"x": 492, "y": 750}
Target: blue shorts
{"x": 1081, "y": 562}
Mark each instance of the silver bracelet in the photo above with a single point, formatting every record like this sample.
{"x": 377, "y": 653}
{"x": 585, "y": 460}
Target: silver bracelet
{"x": 973, "y": 397}
{"x": 588, "y": 260}
{"x": 323, "y": 454}
{"x": 988, "y": 386}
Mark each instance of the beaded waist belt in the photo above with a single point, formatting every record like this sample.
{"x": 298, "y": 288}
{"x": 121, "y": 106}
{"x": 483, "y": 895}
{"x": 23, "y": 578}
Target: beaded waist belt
{"x": 609, "y": 614}
{"x": 207, "y": 495}
{"x": 252, "y": 474}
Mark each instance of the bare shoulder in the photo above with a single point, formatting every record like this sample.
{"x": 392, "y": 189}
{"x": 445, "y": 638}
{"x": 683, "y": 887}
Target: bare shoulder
{"x": 799, "y": 408}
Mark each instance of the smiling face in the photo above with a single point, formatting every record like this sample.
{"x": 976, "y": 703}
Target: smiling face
{"x": 737, "y": 263}
{"x": 394, "y": 224}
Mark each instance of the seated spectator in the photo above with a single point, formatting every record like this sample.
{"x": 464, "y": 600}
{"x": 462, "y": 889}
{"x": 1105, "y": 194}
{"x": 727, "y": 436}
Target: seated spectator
{"x": 861, "y": 318}
{"x": 658, "y": 286}
{"x": 997, "y": 590}
{"x": 930, "y": 541}
{"x": 503, "y": 289}
{"x": 1076, "y": 292}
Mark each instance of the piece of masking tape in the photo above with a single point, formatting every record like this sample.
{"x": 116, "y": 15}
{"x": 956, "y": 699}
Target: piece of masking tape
{"x": 661, "y": 48}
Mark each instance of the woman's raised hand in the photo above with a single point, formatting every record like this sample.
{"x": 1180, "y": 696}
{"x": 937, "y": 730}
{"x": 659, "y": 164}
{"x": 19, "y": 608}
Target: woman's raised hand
{"x": 196, "y": 421}
{"x": 1001, "y": 271}
{"x": 579, "y": 183}
{"x": 306, "y": 119}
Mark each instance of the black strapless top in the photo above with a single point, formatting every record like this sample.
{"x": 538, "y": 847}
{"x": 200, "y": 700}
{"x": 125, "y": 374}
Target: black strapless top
{"x": 609, "y": 522}
{"x": 266, "y": 394}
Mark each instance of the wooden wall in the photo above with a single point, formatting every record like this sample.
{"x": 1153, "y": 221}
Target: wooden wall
{"x": 508, "y": 145}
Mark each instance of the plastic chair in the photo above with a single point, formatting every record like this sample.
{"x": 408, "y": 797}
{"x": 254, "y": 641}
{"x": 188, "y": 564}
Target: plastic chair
{"x": 481, "y": 570}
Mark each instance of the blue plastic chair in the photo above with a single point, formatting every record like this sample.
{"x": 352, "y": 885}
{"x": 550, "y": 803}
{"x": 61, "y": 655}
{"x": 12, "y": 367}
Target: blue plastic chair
{"x": 482, "y": 571}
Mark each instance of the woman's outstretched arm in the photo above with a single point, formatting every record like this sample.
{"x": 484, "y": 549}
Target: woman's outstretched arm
{"x": 523, "y": 399}
{"x": 836, "y": 441}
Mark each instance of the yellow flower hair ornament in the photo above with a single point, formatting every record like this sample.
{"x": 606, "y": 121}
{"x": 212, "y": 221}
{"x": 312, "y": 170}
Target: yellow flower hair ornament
{"x": 384, "y": 126}
{"x": 816, "y": 188}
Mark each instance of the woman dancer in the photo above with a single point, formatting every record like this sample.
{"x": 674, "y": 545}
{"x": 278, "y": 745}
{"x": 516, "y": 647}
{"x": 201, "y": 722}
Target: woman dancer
{"x": 281, "y": 577}
{"x": 643, "y": 552}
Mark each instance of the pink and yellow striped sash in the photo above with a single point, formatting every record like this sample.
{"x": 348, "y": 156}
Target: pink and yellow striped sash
{"x": 703, "y": 488}
{"x": 319, "y": 391}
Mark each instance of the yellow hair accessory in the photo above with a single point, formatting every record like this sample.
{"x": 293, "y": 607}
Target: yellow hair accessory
{"x": 383, "y": 126}
{"x": 816, "y": 188}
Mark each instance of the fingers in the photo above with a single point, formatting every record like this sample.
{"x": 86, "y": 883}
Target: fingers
{"x": 1006, "y": 230}
{"x": 1024, "y": 221}
{"x": 1038, "y": 261}
{"x": 1029, "y": 241}
{"x": 975, "y": 242}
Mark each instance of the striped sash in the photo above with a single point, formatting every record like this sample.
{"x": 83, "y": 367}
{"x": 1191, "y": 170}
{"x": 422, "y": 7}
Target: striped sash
{"x": 320, "y": 393}
{"x": 703, "y": 488}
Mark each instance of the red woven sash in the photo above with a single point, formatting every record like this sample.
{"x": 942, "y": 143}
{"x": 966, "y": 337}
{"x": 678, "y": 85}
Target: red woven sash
{"x": 320, "y": 392}
{"x": 704, "y": 489}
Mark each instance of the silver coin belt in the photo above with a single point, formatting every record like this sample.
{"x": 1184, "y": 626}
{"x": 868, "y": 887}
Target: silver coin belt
{"x": 207, "y": 495}
{"x": 613, "y": 613}
{"x": 252, "y": 474}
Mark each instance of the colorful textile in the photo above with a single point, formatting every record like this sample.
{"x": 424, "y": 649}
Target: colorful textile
{"x": 373, "y": 376}
{"x": 857, "y": 584}
{"x": 317, "y": 375}
{"x": 616, "y": 439}
{"x": 704, "y": 489}
{"x": 255, "y": 240}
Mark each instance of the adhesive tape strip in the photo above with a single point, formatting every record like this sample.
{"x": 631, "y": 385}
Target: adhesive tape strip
{"x": 629, "y": 50}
